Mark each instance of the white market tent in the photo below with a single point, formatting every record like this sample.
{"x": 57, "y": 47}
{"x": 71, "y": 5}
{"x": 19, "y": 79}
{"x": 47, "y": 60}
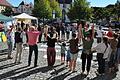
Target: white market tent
{"x": 25, "y": 16}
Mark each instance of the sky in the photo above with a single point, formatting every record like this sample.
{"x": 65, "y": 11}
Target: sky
{"x": 97, "y": 3}
{"x": 17, "y": 2}
{"x": 101, "y": 3}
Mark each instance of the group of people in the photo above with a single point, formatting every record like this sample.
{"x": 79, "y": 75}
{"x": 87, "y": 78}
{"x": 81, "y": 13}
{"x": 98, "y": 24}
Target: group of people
{"x": 107, "y": 48}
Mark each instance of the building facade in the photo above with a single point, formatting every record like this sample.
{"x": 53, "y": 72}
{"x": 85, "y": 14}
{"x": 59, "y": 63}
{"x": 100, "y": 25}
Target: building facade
{"x": 65, "y": 5}
{"x": 4, "y": 4}
{"x": 24, "y": 8}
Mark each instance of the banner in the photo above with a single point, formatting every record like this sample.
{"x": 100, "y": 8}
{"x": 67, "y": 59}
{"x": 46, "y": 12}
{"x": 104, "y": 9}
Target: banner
{"x": 3, "y": 41}
{"x": 3, "y": 37}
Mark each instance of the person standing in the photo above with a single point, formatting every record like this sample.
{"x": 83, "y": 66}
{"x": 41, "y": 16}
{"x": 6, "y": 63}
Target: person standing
{"x": 110, "y": 32}
{"x": 51, "y": 52}
{"x": 74, "y": 51}
{"x": 33, "y": 35}
{"x": 113, "y": 43}
{"x": 87, "y": 45}
{"x": 99, "y": 34}
{"x": 18, "y": 41}
{"x": 9, "y": 42}
{"x": 63, "y": 49}
{"x": 103, "y": 52}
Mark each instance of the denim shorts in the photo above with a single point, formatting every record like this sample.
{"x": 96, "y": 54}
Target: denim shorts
{"x": 74, "y": 56}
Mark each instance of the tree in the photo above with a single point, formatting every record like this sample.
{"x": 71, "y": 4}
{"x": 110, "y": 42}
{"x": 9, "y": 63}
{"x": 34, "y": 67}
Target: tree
{"x": 42, "y": 9}
{"x": 55, "y": 6}
{"x": 117, "y": 9}
{"x": 80, "y": 10}
{"x": 8, "y": 11}
{"x": 101, "y": 13}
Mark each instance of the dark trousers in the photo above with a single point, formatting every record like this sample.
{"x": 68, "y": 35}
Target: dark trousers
{"x": 39, "y": 39}
{"x": 51, "y": 54}
{"x": 101, "y": 63}
{"x": 31, "y": 49}
{"x": 85, "y": 57}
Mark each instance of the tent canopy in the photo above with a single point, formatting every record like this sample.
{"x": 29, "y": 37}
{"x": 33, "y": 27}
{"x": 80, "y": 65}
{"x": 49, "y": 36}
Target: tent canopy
{"x": 24, "y": 16}
{"x": 5, "y": 18}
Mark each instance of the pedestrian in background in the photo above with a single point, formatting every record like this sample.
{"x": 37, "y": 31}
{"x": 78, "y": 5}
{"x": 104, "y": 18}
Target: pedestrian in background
{"x": 18, "y": 41}
{"x": 113, "y": 44}
{"x": 33, "y": 35}
{"x": 99, "y": 34}
{"x": 103, "y": 52}
{"x": 68, "y": 58}
{"x": 63, "y": 49}
{"x": 9, "y": 41}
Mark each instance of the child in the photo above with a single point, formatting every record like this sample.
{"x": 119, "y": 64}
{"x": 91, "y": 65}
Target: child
{"x": 68, "y": 58}
{"x": 63, "y": 49}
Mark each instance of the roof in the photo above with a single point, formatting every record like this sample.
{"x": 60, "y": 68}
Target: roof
{"x": 5, "y": 3}
{"x": 24, "y": 16}
{"x": 5, "y": 18}
{"x": 22, "y": 3}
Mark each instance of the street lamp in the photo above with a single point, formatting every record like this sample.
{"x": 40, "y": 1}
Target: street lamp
{"x": 53, "y": 14}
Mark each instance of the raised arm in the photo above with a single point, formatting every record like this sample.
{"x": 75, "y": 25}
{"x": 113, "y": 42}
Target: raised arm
{"x": 46, "y": 31}
{"x": 80, "y": 35}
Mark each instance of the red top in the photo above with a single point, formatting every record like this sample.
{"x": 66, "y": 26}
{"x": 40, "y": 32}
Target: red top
{"x": 33, "y": 37}
{"x": 110, "y": 34}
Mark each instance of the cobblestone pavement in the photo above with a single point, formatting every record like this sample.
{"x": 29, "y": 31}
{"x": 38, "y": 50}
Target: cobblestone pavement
{"x": 11, "y": 71}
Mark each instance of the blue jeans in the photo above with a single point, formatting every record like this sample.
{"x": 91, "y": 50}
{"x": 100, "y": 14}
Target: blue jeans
{"x": 9, "y": 48}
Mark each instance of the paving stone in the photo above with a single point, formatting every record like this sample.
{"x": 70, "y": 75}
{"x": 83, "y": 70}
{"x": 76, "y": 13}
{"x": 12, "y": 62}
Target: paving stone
{"x": 42, "y": 72}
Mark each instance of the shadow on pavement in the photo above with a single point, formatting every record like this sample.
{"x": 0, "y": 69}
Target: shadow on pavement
{"x": 13, "y": 72}
{"x": 7, "y": 65}
{"x": 3, "y": 59}
{"x": 79, "y": 77}
{"x": 3, "y": 53}
{"x": 55, "y": 72}
{"x": 59, "y": 77}
{"x": 105, "y": 77}
{"x": 33, "y": 71}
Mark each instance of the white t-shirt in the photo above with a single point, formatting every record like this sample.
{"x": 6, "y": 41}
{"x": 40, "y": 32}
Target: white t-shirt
{"x": 99, "y": 33}
{"x": 101, "y": 47}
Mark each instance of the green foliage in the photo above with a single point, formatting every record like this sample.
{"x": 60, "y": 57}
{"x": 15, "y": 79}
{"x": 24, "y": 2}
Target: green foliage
{"x": 55, "y": 6}
{"x": 101, "y": 13}
{"x": 42, "y": 9}
{"x": 8, "y": 11}
{"x": 80, "y": 10}
{"x": 107, "y": 12}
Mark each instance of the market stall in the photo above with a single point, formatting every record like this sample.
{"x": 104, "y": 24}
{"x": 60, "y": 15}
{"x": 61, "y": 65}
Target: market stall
{"x": 24, "y": 16}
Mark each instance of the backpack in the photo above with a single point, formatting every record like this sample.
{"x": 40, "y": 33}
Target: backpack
{"x": 74, "y": 46}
